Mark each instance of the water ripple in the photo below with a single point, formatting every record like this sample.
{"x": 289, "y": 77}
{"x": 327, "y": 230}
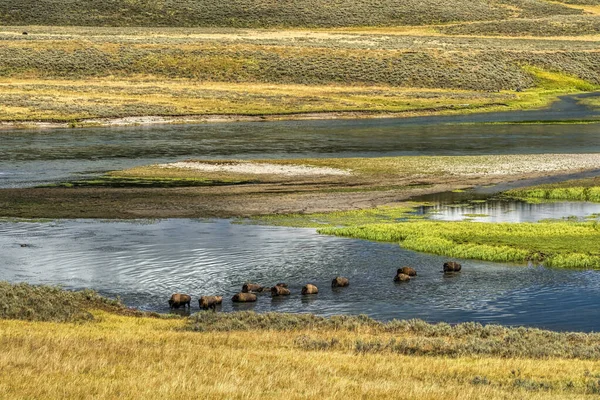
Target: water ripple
{"x": 144, "y": 263}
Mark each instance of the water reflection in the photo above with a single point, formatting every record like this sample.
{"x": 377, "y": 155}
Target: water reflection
{"x": 512, "y": 211}
{"x": 145, "y": 262}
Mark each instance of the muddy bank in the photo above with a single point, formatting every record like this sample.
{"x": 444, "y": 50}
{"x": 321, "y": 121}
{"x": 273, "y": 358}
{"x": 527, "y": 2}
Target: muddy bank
{"x": 320, "y": 194}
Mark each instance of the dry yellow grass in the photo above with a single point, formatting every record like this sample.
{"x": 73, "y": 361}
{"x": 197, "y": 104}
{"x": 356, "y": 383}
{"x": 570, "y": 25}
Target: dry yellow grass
{"x": 65, "y": 100}
{"x": 125, "y": 357}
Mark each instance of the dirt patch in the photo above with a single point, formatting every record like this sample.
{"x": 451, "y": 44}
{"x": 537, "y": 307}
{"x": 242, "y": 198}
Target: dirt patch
{"x": 253, "y": 168}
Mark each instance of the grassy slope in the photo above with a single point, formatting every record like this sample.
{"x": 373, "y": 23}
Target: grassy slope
{"x": 247, "y": 355}
{"x": 264, "y": 13}
{"x": 132, "y": 358}
{"x": 70, "y": 74}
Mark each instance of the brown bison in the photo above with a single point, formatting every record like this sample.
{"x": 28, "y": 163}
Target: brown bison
{"x": 252, "y": 287}
{"x": 452, "y": 266}
{"x": 281, "y": 284}
{"x": 244, "y": 298}
{"x": 340, "y": 281}
{"x": 407, "y": 271}
{"x": 310, "y": 289}
{"x": 210, "y": 302}
{"x": 401, "y": 277}
{"x": 177, "y": 300}
{"x": 279, "y": 291}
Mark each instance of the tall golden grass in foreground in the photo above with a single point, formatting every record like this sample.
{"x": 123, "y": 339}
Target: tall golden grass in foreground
{"x": 125, "y": 357}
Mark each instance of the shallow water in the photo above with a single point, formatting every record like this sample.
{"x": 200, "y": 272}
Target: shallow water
{"x": 29, "y": 158}
{"x": 513, "y": 211}
{"x": 144, "y": 263}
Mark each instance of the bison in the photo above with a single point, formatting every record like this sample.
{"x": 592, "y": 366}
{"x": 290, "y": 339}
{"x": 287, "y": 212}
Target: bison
{"x": 210, "y": 302}
{"x": 279, "y": 291}
{"x": 452, "y": 266}
{"x": 339, "y": 281}
{"x": 177, "y": 300}
{"x": 407, "y": 271}
{"x": 310, "y": 289}
{"x": 281, "y": 284}
{"x": 244, "y": 298}
{"x": 401, "y": 277}
{"x": 252, "y": 287}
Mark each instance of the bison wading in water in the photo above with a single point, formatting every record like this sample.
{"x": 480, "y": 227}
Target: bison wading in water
{"x": 244, "y": 298}
{"x": 177, "y": 300}
{"x": 210, "y": 302}
{"x": 407, "y": 271}
{"x": 340, "y": 281}
{"x": 279, "y": 291}
{"x": 252, "y": 287}
{"x": 452, "y": 266}
{"x": 310, "y": 289}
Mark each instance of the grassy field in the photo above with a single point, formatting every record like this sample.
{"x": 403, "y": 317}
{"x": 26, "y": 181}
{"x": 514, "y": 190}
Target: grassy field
{"x": 75, "y": 100}
{"x": 70, "y": 74}
{"x": 556, "y": 244}
{"x": 246, "y": 355}
{"x": 261, "y": 13}
{"x": 564, "y": 25}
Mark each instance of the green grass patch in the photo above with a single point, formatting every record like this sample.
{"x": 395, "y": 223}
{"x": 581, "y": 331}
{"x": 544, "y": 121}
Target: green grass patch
{"x": 383, "y": 214}
{"x": 557, "y": 244}
{"x": 575, "y": 190}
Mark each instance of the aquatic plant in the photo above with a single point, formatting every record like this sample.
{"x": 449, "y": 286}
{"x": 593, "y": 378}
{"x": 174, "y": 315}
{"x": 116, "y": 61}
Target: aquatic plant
{"x": 381, "y": 214}
{"x": 567, "y": 193}
{"x": 557, "y": 244}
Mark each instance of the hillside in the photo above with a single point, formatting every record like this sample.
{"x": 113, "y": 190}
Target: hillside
{"x": 131, "y": 58}
{"x": 269, "y": 13}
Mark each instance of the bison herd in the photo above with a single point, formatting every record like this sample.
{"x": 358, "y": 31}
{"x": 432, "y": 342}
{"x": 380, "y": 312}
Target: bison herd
{"x": 249, "y": 290}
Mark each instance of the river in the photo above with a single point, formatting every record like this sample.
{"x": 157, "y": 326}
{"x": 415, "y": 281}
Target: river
{"x": 143, "y": 262}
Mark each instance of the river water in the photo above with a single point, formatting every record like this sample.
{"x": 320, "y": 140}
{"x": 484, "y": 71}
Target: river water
{"x": 29, "y": 158}
{"x": 143, "y": 262}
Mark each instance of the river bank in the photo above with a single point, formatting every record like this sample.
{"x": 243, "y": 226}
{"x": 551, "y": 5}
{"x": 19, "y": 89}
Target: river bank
{"x": 552, "y": 108}
{"x": 159, "y": 191}
{"x": 112, "y": 355}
